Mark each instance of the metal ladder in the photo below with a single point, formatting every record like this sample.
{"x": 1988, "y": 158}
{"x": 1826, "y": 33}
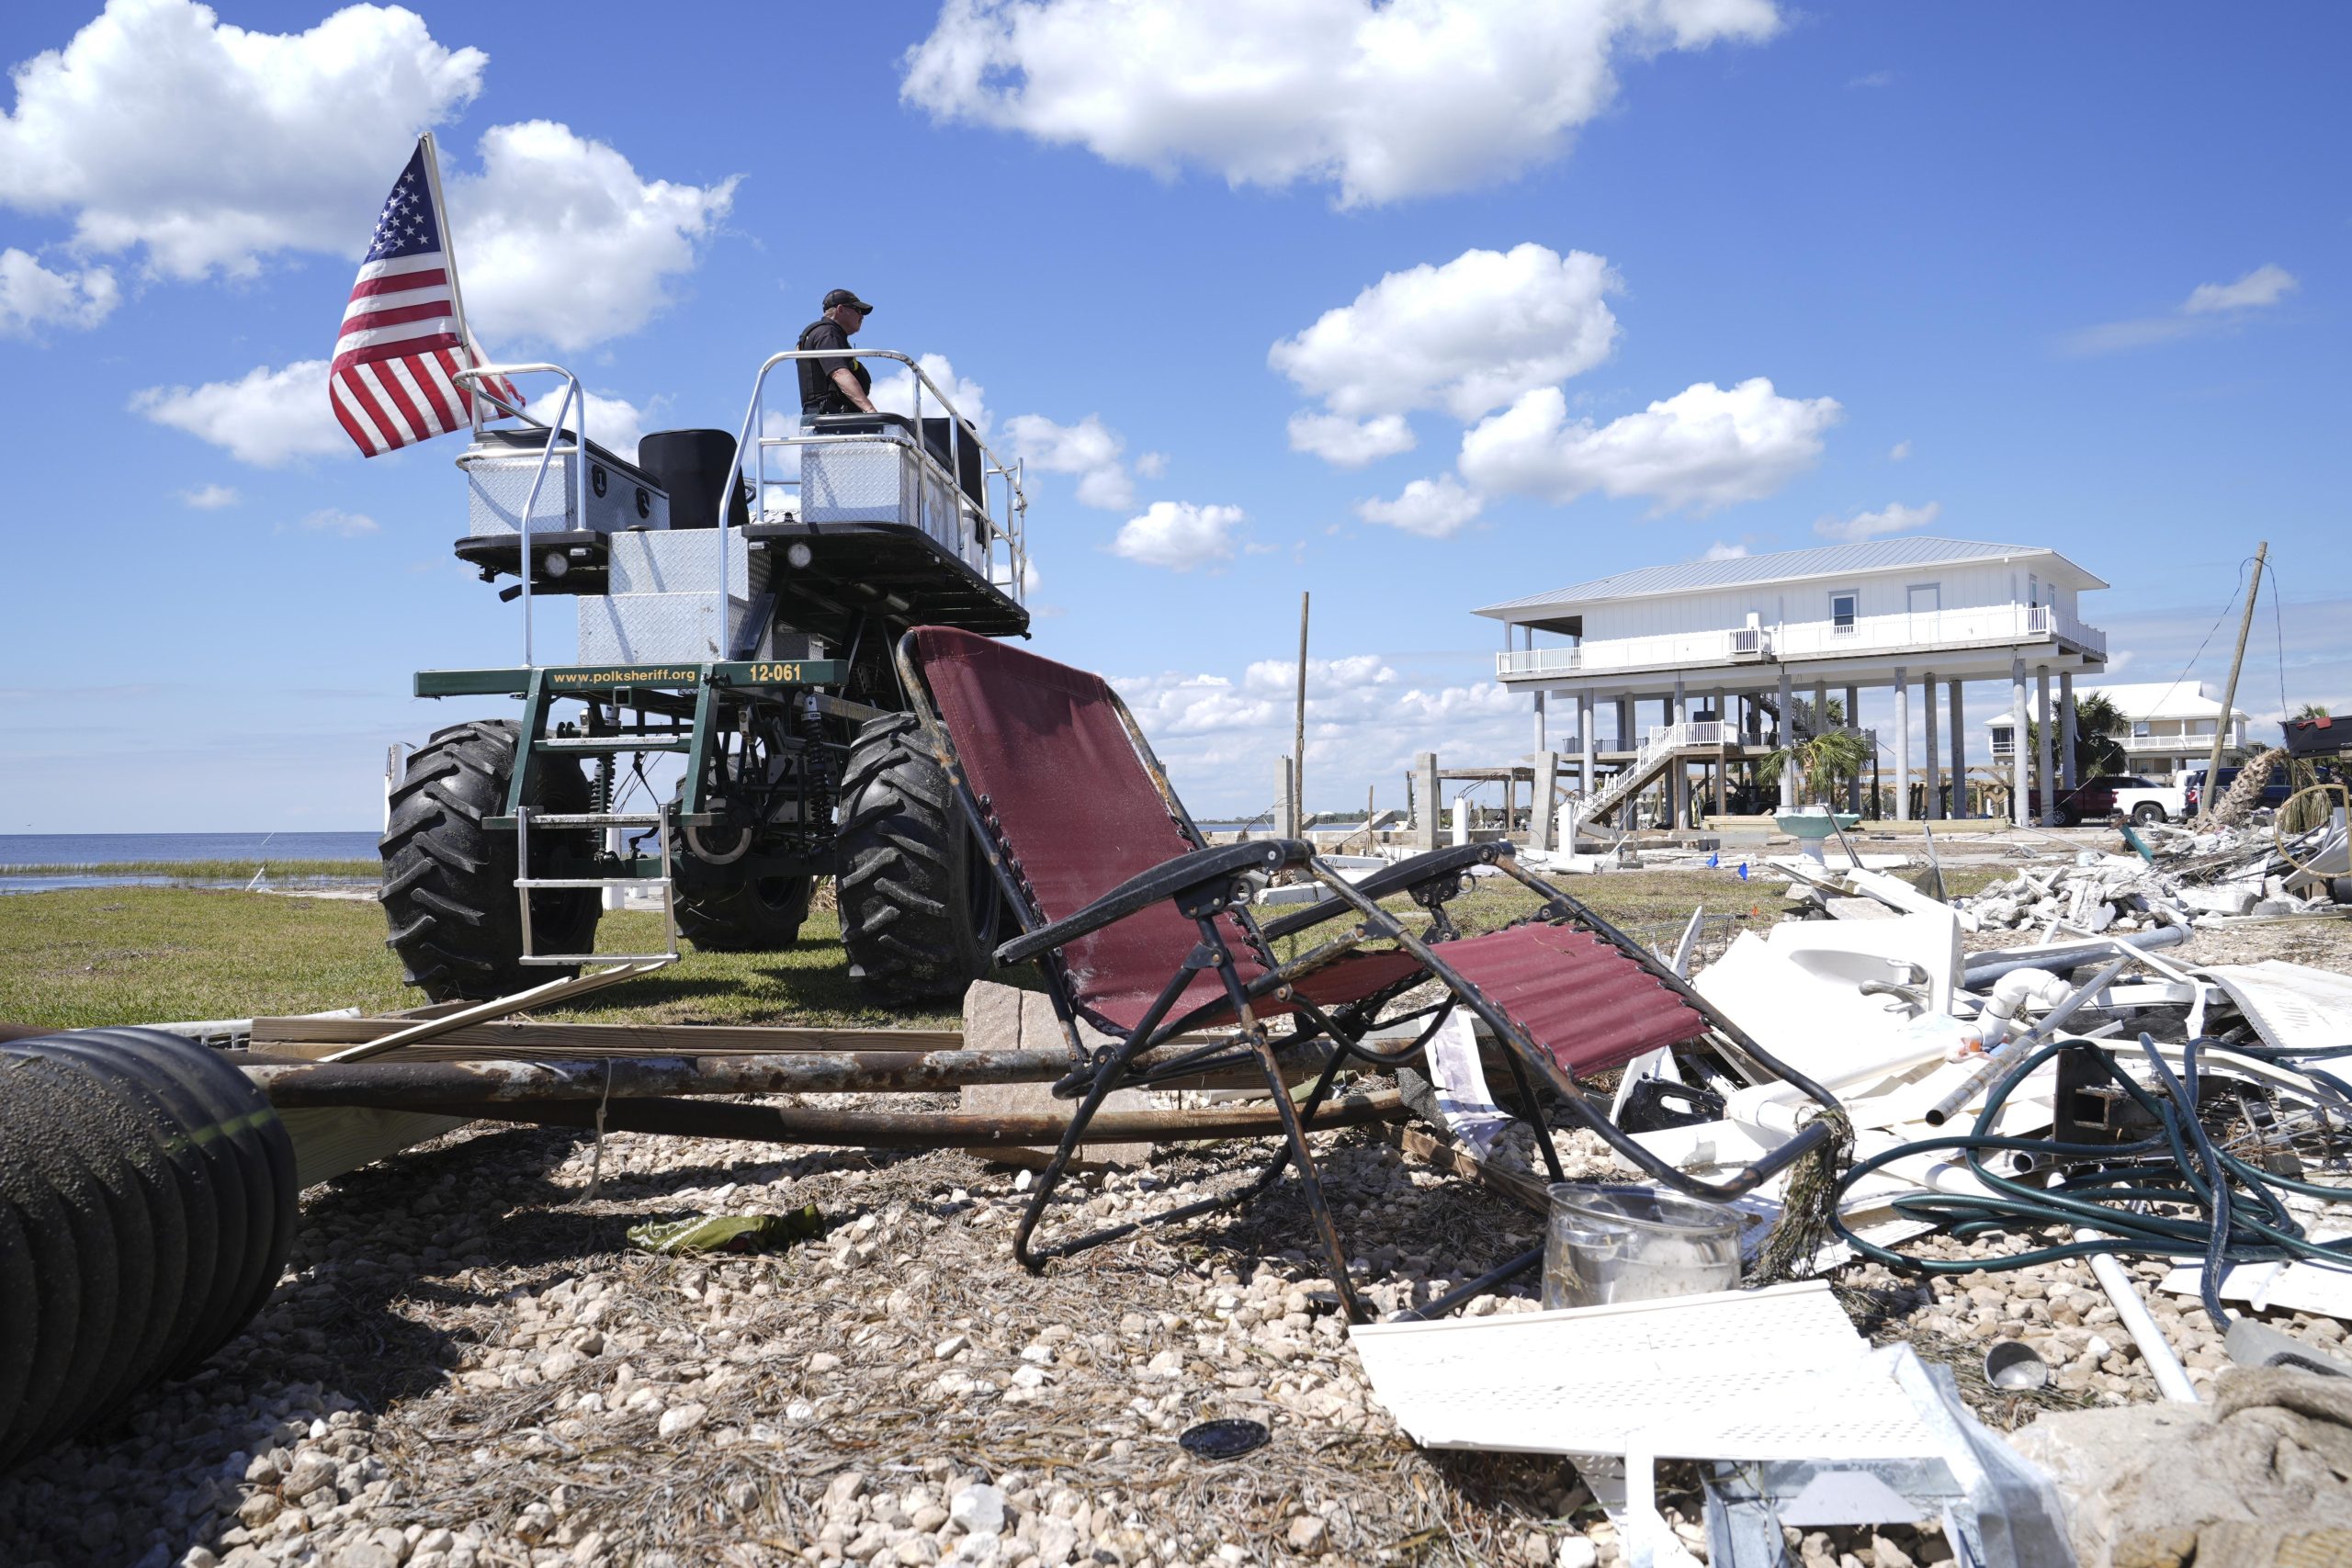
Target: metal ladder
{"x": 525, "y": 883}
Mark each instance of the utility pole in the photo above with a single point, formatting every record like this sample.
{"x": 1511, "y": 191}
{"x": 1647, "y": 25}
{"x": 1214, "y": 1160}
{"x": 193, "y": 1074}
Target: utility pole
{"x": 2211, "y": 796}
{"x": 1298, "y": 730}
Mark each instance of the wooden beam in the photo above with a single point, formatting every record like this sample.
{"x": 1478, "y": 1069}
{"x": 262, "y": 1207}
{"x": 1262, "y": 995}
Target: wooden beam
{"x": 315, "y": 1037}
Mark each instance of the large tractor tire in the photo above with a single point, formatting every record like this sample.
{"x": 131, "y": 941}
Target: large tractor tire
{"x": 921, "y": 911}
{"x": 762, "y": 916}
{"x": 449, "y": 882}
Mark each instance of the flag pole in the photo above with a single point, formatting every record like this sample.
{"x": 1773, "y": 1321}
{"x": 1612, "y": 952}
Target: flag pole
{"x": 474, "y": 391}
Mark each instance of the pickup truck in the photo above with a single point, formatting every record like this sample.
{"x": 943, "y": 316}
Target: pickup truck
{"x": 2143, "y": 802}
{"x": 2110, "y": 795}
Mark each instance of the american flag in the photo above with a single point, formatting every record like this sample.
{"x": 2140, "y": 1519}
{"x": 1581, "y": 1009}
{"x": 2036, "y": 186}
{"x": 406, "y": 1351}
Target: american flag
{"x": 393, "y": 378}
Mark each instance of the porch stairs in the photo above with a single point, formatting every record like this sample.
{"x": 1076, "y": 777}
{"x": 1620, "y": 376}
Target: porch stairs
{"x": 1664, "y": 746}
{"x": 1669, "y": 744}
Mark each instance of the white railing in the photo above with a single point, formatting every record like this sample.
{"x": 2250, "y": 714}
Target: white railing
{"x": 1927, "y": 630}
{"x": 1694, "y": 732}
{"x": 1001, "y": 538}
{"x": 1540, "y": 661}
{"x": 2172, "y": 742}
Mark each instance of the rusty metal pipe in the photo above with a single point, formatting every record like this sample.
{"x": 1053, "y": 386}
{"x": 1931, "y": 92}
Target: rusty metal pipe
{"x": 397, "y": 1085}
{"x": 918, "y": 1130}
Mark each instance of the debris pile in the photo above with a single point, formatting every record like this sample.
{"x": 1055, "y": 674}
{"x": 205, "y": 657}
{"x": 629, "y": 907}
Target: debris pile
{"x": 2186, "y": 878}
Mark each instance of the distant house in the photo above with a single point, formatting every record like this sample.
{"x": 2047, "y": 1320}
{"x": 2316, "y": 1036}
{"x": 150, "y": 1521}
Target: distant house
{"x": 2170, "y": 727}
{"x": 1740, "y": 653}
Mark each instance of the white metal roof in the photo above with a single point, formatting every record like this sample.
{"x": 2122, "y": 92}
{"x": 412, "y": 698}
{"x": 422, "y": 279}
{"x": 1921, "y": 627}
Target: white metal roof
{"x": 2160, "y": 699}
{"x": 2152, "y": 699}
{"x": 1784, "y": 566}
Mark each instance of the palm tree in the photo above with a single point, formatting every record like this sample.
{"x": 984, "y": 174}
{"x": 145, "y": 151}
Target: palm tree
{"x": 2311, "y": 710}
{"x": 2098, "y": 726}
{"x": 1822, "y": 759}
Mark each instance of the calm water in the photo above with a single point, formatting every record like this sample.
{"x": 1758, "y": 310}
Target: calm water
{"x": 273, "y": 850}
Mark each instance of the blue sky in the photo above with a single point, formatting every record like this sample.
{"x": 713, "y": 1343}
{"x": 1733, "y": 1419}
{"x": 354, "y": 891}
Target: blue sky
{"x": 2081, "y": 267}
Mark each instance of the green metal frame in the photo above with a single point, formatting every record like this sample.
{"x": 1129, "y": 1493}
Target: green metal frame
{"x": 631, "y": 685}
{"x": 604, "y": 679}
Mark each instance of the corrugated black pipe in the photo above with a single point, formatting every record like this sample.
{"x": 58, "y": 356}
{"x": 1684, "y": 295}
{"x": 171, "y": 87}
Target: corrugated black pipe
{"x": 147, "y": 1203}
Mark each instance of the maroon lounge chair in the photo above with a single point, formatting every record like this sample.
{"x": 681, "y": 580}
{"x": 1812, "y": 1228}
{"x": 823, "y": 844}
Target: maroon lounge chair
{"x": 1145, "y": 931}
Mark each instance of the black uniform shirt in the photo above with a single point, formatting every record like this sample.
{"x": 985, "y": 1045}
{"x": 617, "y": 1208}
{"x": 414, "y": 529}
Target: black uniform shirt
{"x": 818, "y": 393}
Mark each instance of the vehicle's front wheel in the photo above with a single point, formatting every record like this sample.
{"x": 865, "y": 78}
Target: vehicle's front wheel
{"x": 2147, "y": 813}
{"x": 920, "y": 912}
{"x": 448, "y": 893}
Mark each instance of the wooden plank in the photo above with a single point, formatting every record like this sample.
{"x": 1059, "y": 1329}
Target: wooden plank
{"x": 332, "y": 1140}
{"x": 315, "y": 1037}
{"x": 1525, "y": 1190}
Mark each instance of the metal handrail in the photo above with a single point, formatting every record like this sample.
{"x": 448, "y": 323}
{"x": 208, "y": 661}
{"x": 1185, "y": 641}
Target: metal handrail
{"x": 573, "y": 399}
{"x": 1013, "y": 530}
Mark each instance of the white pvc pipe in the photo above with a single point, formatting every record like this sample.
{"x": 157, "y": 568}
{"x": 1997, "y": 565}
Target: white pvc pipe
{"x": 1776, "y": 1107}
{"x": 2172, "y": 1377}
{"x": 2010, "y": 994}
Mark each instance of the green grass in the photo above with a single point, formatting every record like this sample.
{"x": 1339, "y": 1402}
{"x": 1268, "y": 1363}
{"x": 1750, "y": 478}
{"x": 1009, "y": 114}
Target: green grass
{"x": 83, "y": 957}
{"x": 202, "y": 870}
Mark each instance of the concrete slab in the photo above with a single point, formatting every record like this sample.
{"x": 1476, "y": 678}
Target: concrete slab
{"x": 1005, "y": 1018}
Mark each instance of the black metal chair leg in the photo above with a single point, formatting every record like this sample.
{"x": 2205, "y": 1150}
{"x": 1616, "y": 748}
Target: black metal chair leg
{"x": 1106, "y": 1078}
{"x": 1310, "y": 1183}
{"x": 1072, "y": 1136}
{"x": 1534, "y": 1115}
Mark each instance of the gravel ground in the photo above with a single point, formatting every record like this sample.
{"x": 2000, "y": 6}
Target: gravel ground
{"x": 467, "y": 1365}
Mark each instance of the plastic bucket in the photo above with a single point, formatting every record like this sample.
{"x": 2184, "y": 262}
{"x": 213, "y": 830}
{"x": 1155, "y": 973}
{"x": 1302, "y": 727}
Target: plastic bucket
{"x": 1607, "y": 1243}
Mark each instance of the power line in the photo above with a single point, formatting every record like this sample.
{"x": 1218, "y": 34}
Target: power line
{"x": 2278, "y": 625}
{"x": 2208, "y": 638}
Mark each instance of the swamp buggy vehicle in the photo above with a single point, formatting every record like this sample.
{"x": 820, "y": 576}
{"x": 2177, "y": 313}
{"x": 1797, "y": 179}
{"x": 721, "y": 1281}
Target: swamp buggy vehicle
{"x": 738, "y": 598}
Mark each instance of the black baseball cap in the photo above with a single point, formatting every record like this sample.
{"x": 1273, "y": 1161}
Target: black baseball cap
{"x": 848, "y": 297}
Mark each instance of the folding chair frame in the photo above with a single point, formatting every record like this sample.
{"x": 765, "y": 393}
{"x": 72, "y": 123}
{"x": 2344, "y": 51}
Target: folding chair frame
{"x": 1212, "y": 881}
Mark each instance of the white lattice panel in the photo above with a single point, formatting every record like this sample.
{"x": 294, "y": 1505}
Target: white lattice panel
{"x": 1771, "y": 1373}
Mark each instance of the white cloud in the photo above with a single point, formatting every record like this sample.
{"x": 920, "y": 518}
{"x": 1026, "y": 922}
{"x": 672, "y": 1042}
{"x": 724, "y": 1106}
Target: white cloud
{"x": 331, "y": 520}
{"x": 2211, "y": 307}
{"x": 1179, "y": 535}
{"x": 1704, "y": 447}
{"x": 1435, "y": 508}
{"x": 1468, "y": 336}
{"x": 614, "y": 424}
{"x": 1348, "y": 443}
{"x": 268, "y": 418}
{"x": 210, "y": 498}
{"x": 560, "y": 240}
{"x": 895, "y": 392}
{"x": 1364, "y": 720}
{"x": 1383, "y": 100}
{"x": 1898, "y": 453}
{"x": 1719, "y": 551}
{"x": 213, "y": 147}
{"x": 1089, "y": 449}
{"x": 1151, "y": 465}
{"x": 1896, "y": 518}
{"x": 2266, "y": 285}
{"x": 31, "y": 295}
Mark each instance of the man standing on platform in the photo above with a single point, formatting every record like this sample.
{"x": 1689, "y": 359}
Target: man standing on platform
{"x": 835, "y": 385}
